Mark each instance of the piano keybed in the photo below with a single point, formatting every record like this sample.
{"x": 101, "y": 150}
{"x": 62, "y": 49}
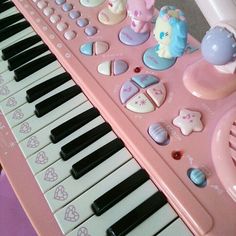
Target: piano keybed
{"x": 36, "y": 104}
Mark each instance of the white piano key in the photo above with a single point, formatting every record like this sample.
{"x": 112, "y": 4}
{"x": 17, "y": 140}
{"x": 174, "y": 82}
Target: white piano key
{"x": 66, "y": 217}
{"x": 9, "y": 12}
{"x": 19, "y": 98}
{"x": 3, "y": 66}
{"x": 97, "y": 225}
{"x": 7, "y": 90}
{"x": 43, "y": 134}
{"x": 155, "y": 222}
{"x": 176, "y": 228}
{"x": 6, "y": 77}
{"x": 27, "y": 110}
{"x": 15, "y": 37}
{"x": 70, "y": 188}
{"x": 33, "y": 124}
{"x": 11, "y": 43}
{"x": 61, "y": 169}
{"x": 51, "y": 153}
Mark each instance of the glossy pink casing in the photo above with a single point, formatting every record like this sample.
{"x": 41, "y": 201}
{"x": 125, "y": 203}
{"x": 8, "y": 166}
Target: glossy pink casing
{"x": 206, "y": 211}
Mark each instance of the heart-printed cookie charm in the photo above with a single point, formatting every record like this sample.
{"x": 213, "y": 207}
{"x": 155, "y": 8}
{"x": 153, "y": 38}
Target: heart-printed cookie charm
{"x": 60, "y": 193}
{"x": 50, "y": 175}
{"x": 33, "y": 142}
{"x": 41, "y": 158}
{"x": 18, "y": 114}
{"x": 4, "y": 90}
{"x": 25, "y": 128}
{"x": 11, "y": 102}
{"x": 71, "y": 214}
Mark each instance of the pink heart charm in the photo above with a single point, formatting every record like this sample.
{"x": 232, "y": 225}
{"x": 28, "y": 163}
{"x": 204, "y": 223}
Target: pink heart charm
{"x": 33, "y": 142}
{"x": 11, "y": 102}
{"x": 60, "y": 193}
{"x": 25, "y": 128}
{"x": 4, "y": 90}
{"x": 18, "y": 114}
{"x": 71, "y": 214}
{"x": 50, "y": 175}
{"x": 41, "y": 158}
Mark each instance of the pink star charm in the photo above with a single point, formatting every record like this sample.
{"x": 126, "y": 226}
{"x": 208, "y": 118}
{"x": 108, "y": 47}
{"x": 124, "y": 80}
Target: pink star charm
{"x": 188, "y": 121}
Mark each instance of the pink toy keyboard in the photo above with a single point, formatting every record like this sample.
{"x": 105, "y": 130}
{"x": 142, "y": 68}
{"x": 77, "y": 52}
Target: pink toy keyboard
{"x": 97, "y": 140}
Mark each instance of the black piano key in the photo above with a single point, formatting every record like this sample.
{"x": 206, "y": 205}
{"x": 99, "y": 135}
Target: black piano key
{"x": 33, "y": 66}
{"x": 6, "y": 22}
{"x": 6, "y": 6}
{"x": 20, "y": 46}
{"x": 89, "y": 162}
{"x": 13, "y": 29}
{"x": 138, "y": 215}
{"x": 120, "y": 191}
{"x": 3, "y": 1}
{"x": 41, "y": 89}
{"x": 56, "y": 100}
{"x": 26, "y": 56}
{"x": 67, "y": 128}
{"x": 83, "y": 141}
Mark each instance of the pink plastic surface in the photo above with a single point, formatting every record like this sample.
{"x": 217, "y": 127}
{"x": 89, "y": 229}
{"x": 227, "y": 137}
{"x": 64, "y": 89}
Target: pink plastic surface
{"x": 206, "y": 211}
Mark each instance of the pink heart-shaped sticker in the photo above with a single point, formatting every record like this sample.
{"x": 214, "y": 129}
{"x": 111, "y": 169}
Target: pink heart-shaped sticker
{"x": 33, "y": 142}
{"x": 18, "y": 114}
{"x": 71, "y": 214}
{"x": 60, "y": 193}
{"x": 41, "y": 158}
{"x": 25, "y": 128}
{"x": 11, "y": 102}
{"x": 4, "y": 90}
{"x": 50, "y": 175}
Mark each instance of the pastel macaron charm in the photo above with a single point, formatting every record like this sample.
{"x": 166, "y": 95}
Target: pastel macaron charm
{"x": 188, "y": 121}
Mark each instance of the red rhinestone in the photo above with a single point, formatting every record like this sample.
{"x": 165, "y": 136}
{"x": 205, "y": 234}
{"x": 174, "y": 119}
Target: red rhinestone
{"x": 177, "y": 155}
{"x": 137, "y": 69}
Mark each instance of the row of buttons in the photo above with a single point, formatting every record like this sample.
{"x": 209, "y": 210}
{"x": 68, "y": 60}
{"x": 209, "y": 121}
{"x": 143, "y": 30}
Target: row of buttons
{"x": 61, "y": 26}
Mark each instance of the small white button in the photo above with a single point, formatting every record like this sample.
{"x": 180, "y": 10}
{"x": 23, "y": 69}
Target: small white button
{"x": 48, "y": 11}
{"x": 42, "y": 4}
{"x": 69, "y": 35}
{"x": 62, "y": 26}
{"x": 55, "y": 18}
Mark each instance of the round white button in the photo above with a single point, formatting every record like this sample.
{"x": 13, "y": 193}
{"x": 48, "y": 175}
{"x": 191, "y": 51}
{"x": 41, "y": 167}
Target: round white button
{"x": 55, "y": 18}
{"x": 42, "y": 4}
{"x": 48, "y": 11}
{"x": 69, "y": 35}
{"x": 62, "y": 26}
